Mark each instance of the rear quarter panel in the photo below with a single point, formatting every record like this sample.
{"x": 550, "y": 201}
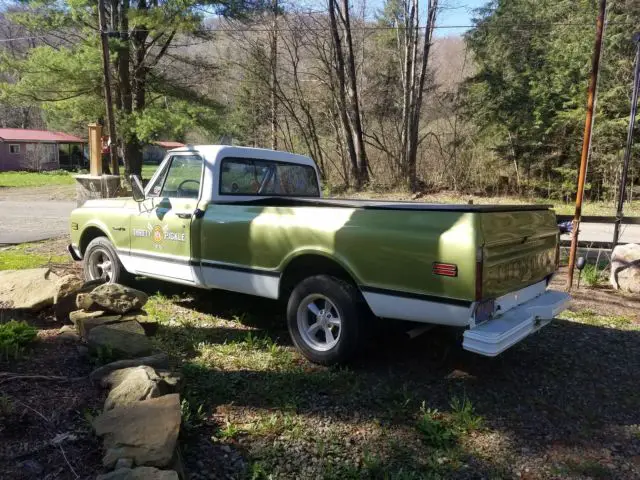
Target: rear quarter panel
{"x": 393, "y": 250}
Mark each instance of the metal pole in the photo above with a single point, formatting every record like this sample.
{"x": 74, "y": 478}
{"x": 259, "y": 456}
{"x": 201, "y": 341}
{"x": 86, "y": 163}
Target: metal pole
{"x": 586, "y": 139}
{"x": 627, "y": 152}
{"x": 107, "y": 88}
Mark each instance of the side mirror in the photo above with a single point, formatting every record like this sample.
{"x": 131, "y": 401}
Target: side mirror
{"x": 137, "y": 188}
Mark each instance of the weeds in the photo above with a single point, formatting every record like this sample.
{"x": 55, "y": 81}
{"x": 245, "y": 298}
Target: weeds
{"x": 7, "y": 406}
{"x": 191, "y": 417}
{"x": 442, "y": 430}
{"x": 14, "y": 337}
{"x": 592, "y": 275}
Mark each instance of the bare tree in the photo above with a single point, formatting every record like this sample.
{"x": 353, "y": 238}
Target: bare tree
{"x": 414, "y": 69}
{"x": 348, "y": 102}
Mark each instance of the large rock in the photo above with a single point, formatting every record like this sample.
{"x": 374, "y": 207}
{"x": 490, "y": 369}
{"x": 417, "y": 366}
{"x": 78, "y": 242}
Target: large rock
{"x": 78, "y": 315}
{"x": 32, "y": 289}
{"x": 68, "y": 288}
{"x": 159, "y": 360}
{"x": 132, "y": 385}
{"x": 139, "y": 473}
{"x": 145, "y": 431}
{"x": 122, "y": 339}
{"x": 118, "y": 298}
{"x": 625, "y": 268}
{"x": 86, "y": 324}
{"x": 150, "y": 324}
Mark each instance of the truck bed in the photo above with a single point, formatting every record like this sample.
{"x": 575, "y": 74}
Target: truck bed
{"x": 383, "y": 205}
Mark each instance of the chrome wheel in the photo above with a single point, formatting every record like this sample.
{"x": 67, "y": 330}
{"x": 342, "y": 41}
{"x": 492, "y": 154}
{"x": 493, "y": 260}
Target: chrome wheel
{"x": 319, "y": 322}
{"x": 100, "y": 265}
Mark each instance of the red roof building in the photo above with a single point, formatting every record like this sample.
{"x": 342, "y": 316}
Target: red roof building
{"x": 37, "y": 150}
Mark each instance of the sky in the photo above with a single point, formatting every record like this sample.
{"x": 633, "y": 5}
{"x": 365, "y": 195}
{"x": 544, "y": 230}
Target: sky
{"x": 457, "y": 12}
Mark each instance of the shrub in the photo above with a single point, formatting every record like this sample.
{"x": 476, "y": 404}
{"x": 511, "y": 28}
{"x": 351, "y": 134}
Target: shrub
{"x": 14, "y": 337}
{"x": 592, "y": 275}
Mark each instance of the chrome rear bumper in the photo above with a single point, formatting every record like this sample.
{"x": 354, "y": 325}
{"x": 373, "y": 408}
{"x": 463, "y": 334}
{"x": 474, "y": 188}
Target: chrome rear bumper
{"x": 496, "y": 335}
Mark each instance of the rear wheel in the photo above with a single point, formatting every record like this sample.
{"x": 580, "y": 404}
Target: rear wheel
{"x": 325, "y": 317}
{"x": 101, "y": 262}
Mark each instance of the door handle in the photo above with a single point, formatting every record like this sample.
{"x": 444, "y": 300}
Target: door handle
{"x": 184, "y": 214}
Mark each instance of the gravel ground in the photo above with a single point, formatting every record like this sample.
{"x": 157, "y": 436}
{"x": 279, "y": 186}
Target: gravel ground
{"x": 44, "y": 425}
{"x": 565, "y": 403}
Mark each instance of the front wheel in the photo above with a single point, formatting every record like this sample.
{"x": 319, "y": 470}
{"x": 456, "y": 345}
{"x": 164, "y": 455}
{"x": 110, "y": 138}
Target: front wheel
{"x": 325, "y": 317}
{"x": 101, "y": 262}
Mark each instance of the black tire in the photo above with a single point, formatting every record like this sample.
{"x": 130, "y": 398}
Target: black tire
{"x": 102, "y": 248}
{"x": 346, "y": 301}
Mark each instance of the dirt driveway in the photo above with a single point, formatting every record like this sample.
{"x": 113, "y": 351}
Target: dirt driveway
{"x": 32, "y": 214}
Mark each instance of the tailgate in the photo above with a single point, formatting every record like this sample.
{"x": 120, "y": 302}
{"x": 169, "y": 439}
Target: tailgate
{"x": 519, "y": 249}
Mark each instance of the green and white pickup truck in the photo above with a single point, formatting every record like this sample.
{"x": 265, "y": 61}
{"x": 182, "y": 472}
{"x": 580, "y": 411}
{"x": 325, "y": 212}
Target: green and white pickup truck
{"x": 253, "y": 221}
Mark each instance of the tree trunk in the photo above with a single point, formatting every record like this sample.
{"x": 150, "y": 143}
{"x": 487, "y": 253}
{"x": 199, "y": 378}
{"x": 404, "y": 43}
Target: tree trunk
{"x": 355, "y": 119}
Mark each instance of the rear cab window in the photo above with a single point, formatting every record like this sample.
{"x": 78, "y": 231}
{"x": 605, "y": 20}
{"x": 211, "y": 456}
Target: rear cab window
{"x": 253, "y": 177}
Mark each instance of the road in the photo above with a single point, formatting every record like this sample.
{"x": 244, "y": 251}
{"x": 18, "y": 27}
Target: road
{"x": 603, "y": 232}
{"x": 30, "y": 221}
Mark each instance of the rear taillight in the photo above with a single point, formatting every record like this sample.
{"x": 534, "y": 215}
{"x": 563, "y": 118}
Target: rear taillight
{"x": 445, "y": 269}
{"x": 479, "y": 258}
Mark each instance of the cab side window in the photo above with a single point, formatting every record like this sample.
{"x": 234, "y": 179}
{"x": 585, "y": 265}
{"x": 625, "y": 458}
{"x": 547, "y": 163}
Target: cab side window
{"x": 180, "y": 179}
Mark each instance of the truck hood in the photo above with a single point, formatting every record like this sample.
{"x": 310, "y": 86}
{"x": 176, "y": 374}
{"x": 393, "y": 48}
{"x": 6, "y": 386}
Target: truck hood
{"x": 108, "y": 202}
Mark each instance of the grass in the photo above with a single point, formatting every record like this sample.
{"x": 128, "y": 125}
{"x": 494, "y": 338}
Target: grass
{"x": 247, "y": 388}
{"x": 26, "y": 255}
{"x": 14, "y": 338}
{"x": 36, "y": 179}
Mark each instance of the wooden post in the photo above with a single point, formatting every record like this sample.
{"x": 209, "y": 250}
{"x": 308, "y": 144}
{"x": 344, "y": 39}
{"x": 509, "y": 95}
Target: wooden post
{"x": 586, "y": 140}
{"x": 95, "y": 149}
{"x": 104, "y": 40}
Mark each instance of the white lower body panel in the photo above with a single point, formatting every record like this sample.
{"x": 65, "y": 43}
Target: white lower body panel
{"x": 494, "y": 336}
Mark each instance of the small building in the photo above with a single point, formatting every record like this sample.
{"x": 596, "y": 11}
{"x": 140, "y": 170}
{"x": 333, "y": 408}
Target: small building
{"x": 37, "y": 150}
{"x": 155, "y": 151}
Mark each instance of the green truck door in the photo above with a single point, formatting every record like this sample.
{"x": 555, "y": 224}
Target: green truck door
{"x": 161, "y": 240}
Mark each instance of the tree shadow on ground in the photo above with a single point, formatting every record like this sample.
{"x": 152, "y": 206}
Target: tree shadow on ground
{"x": 571, "y": 385}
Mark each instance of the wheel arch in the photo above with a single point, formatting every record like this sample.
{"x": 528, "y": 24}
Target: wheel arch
{"x": 309, "y": 263}
{"x": 89, "y": 233}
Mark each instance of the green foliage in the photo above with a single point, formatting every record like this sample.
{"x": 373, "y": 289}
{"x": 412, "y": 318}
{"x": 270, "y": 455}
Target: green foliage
{"x": 529, "y": 91}
{"x": 442, "y": 430}
{"x": 192, "y": 417}
{"x": 7, "y": 407}
{"x": 592, "y": 275}
{"x": 101, "y": 355}
{"x": 14, "y": 337}
{"x": 435, "y": 428}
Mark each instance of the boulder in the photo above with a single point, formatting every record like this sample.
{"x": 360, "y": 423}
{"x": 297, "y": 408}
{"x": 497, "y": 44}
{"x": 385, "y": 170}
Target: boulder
{"x": 139, "y": 473}
{"x": 145, "y": 431}
{"x": 68, "y": 334}
{"x": 131, "y": 385}
{"x": 159, "y": 360}
{"x": 122, "y": 339}
{"x": 32, "y": 289}
{"x": 118, "y": 298}
{"x": 81, "y": 314}
{"x": 625, "y": 268}
{"x": 150, "y": 324}
{"x": 85, "y": 302}
{"x": 86, "y": 324}
{"x": 68, "y": 287}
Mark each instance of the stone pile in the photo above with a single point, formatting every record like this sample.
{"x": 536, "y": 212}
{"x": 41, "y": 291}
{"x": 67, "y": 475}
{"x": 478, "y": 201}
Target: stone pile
{"x": 141, "y": 419}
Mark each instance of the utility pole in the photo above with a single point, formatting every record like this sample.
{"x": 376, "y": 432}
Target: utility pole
{"x": 586, "y": 139}
{"x": 274, "y": 77}
{"x": 627, "y": 152}
{"x": 104, "y": 40}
